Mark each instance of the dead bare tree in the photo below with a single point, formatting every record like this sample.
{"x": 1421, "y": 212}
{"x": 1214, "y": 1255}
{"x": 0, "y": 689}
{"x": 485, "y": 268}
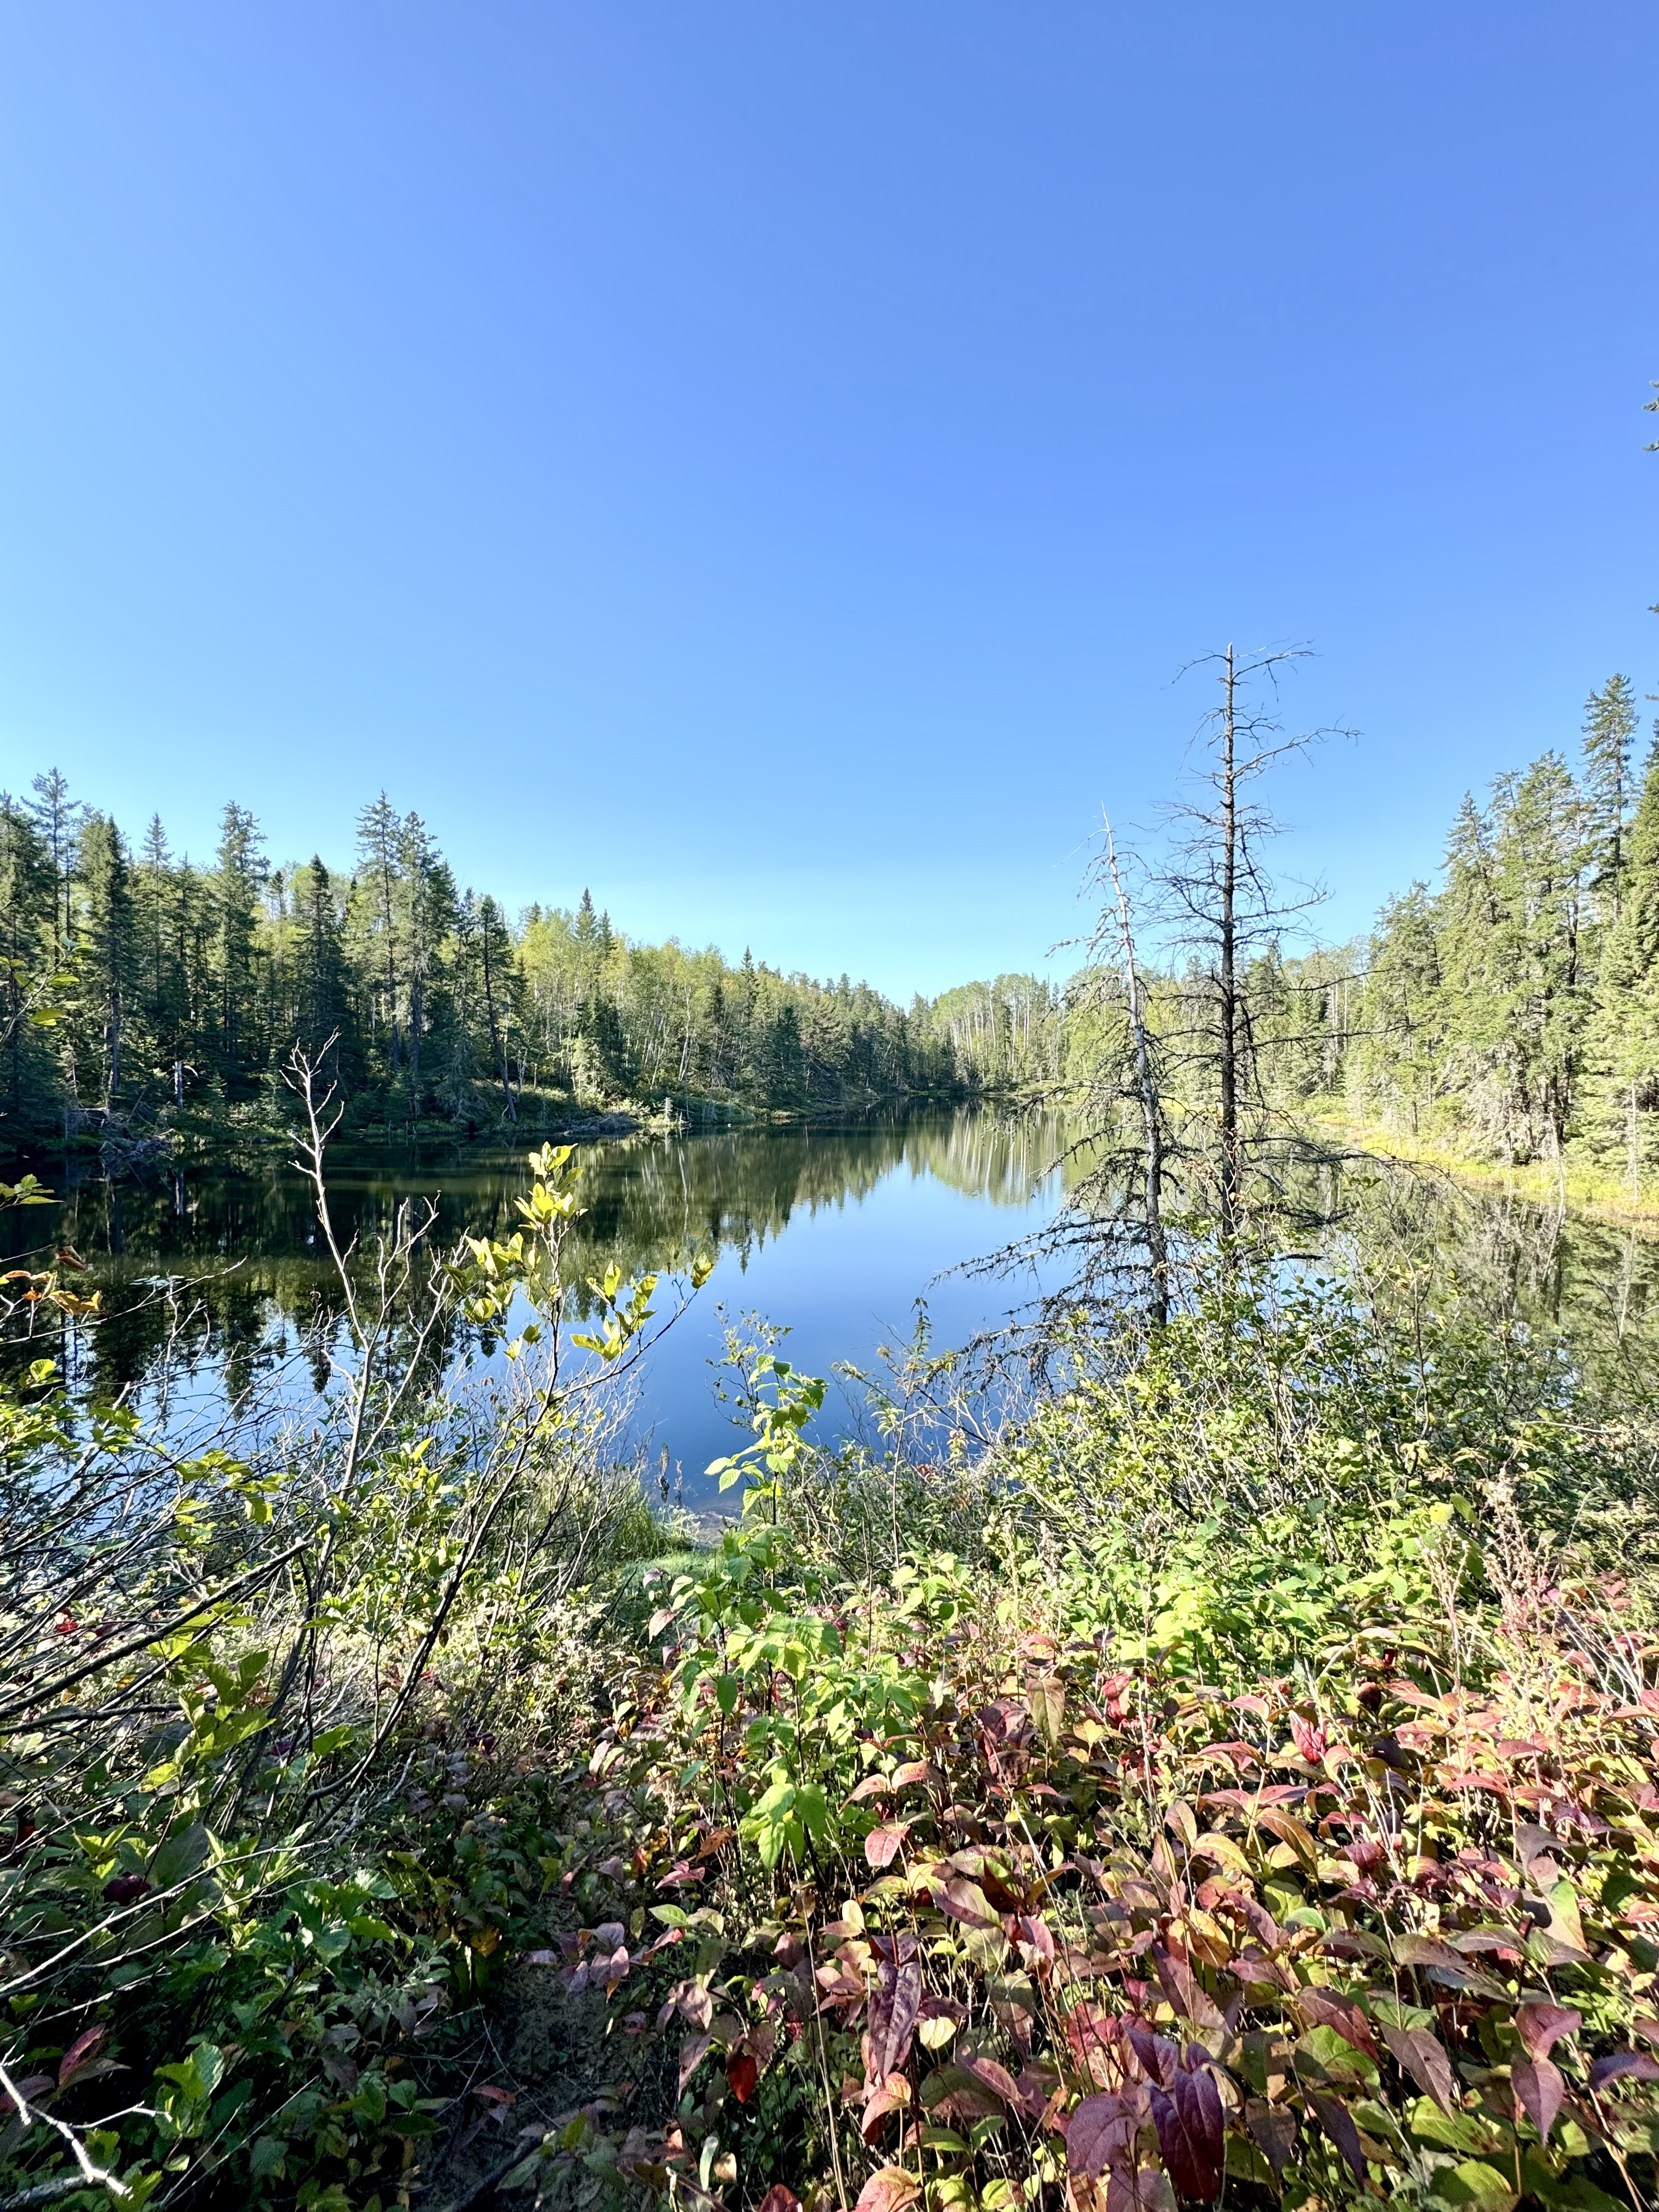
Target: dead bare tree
{"x": 1215, "y": 902}
{"x": 1147, "y": 1095}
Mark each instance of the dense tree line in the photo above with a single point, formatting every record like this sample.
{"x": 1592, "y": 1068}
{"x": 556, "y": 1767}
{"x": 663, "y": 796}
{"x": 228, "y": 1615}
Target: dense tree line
{"x": 1508, "y": 1014}
{"x": 141, "y": 983}
{"x": 1513, "y": 1010}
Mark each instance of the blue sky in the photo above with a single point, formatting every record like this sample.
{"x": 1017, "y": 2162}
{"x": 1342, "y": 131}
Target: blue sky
{"x": 769, "y": 462}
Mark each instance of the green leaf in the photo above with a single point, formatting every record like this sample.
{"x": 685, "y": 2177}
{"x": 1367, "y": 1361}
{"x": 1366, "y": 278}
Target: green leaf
{"x": 267, "y": 2158}
{"x": 1474, "y": 2182}
{"x": 1453, "y": 2131}
{"x": 179, "y": 1856}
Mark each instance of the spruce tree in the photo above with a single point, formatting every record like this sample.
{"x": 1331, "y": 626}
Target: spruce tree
{"x": 429, "y": 916}
{"x": 238, "y": 881}
{"x": 108, "y": 955}
{"x": 323, "y": 1023}
{"x": 57, "y": 819}
{"x": 1610, "y": 719}
{"x": 27, "y": 899}
{"x": 1627, "y": 997}
{"x": 379, "y": 843}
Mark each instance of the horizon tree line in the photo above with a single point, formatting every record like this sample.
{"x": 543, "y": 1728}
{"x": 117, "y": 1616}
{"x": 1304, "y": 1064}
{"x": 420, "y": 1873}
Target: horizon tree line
{"x": 179, "y": 987}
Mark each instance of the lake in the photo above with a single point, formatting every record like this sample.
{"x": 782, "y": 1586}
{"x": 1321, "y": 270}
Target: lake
{"x": 832, "y": 1233}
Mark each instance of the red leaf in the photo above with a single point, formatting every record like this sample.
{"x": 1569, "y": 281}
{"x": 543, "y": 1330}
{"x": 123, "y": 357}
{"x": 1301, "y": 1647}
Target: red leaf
{"x": 1189, "y": 2135}
{"x": 1418, "y": 2053}
{"x": 997, "y": 2079}
{"x": 1102, "y": 2132}
{"x": 82, "y": 2053}
{"x": 1274, "y": 2130}
{"x": 742, "y": 2073}
{"x": 1190, "y": 1999}
{"x": 1320, "y": 2008}
{"x": 1158, "y": 2057}
{"x": 873, "y": 1785}
{"x": 888, "y": 2190}
{"x": 1198, "y": 2102}
{"x": 893, "y": 2008}
{"x": 778, "y": 2198}
{"x": 881, "y": 1845}
{"x": 1093, "y": 2034}
{"x": 892, "y": 2097}
{"x": 1537, "y": 2083}
{"x": 1309, "y": 1740}
{"x": 1618, "y": 2064}
{"x": 693, "y": 2051}
{"x": 963, "y": 1900}
{"x": 1036, "y": 1936}
{"x": 1338, "y": 2123}
{"x": 1541, "y": 2026}
{"x": 954, "y": 2089}
{"x": 1140, "y": 2189}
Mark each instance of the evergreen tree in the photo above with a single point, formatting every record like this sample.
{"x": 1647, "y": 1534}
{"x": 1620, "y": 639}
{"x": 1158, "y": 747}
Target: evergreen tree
{"x": 1397, "y": 1064}
{"x": 1610, "y": 719}
{"x": 379, "y": 855}
{"x": 784, "y": 1069}
{"x": 27, "y": 929}
{"x": 238, "y": 880}
{"x": 108, "y": 957}
{"x": 193, "y": 974}
{"x": 499, "y": 981}
{"x": 1626, "y": 1039}
{"x": 429, "y": 916}
{"x": 323, "y": 1024}
{"x": 57, "y": 819}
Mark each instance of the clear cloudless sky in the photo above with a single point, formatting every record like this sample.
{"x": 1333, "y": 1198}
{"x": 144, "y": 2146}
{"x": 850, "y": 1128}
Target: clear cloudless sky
{"x": 769, "y": 462}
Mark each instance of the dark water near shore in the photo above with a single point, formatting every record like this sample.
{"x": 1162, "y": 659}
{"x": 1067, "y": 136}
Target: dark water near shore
{"x": 833, "y": 1233}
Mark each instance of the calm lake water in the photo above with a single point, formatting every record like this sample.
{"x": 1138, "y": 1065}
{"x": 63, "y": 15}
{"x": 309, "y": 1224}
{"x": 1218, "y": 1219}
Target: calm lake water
{"x": 834, "y": 1234}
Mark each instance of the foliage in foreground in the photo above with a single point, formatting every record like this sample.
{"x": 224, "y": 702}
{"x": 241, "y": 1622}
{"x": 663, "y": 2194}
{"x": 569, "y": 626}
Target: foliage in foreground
{"x": 256, "y": 1714}
{"x": 1243, "y": 1780}
{"x": 1036, "y": 1921}
{"x": 1312, "y": 1859}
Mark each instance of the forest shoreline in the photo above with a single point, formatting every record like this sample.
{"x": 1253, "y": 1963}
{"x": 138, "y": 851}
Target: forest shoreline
{"x": 196, "y": 1139}
{"x": 1587, "y": 1195}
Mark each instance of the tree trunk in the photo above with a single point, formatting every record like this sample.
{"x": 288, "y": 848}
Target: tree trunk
{"x": 511, "y": 1108}
{"x": 1228, "y": 1008}
{"x": 1152, "y": 1121}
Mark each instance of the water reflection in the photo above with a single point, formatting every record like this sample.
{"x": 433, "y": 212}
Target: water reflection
{"x": 1592, "y": 1284}
{"x": 835, "y": 1231}
{"x": 241, "y": 1255}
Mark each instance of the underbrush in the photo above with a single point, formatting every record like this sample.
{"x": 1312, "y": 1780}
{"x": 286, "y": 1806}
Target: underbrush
{"x": 1266, "y": 1806}
{"x": 1239, "y": 1781}
{"x": 275, "y": 1725}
